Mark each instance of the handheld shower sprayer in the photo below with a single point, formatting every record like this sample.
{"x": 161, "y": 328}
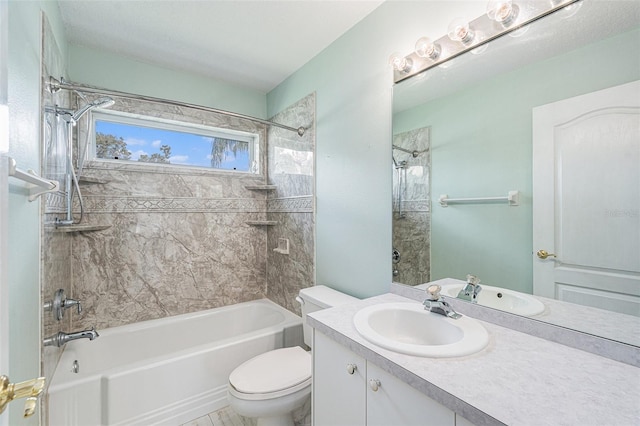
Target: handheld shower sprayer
{"x": 71, "y": 182}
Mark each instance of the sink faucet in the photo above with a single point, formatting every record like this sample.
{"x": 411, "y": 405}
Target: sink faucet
{"x": 436, "y": 304}
{"x": 61, "y": 338}
{"x": 471, "y": 290}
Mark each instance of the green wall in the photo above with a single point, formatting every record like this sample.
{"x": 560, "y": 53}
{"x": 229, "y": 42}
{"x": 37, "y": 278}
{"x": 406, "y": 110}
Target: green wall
{"x": 354, "y": 83}
{"x": 482, "y": 146}
{"x": 117, "y": 72}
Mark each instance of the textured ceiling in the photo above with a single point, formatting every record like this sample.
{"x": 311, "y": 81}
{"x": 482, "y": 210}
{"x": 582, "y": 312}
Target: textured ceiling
{"x": 254, "y": 44}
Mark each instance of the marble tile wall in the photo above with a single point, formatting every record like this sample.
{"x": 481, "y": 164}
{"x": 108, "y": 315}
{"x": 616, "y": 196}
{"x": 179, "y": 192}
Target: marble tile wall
{"x": 411, "y": 206}
{"x": 177, "y": 240}
{"x": 291, "y": 168}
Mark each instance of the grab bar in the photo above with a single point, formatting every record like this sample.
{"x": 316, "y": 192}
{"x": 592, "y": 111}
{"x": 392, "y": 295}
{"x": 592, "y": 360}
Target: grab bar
{"x": 512, "y": 199}
{"x": 41, "y": 186}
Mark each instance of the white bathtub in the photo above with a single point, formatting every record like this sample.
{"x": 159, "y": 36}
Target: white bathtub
{"x": 165, "y": 371}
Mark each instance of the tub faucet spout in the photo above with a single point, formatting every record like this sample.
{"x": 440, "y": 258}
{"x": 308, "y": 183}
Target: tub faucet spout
{"x": 61, "y": 338}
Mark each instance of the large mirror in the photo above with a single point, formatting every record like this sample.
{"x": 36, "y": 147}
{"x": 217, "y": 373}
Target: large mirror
{"x": 465, "y": 129}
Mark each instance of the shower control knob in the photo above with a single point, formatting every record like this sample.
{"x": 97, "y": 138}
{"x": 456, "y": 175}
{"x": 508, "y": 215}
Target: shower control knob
{"x": 395, "y": 256}
{"x": 374, "y": 384}
{"x": 351, "y": 368}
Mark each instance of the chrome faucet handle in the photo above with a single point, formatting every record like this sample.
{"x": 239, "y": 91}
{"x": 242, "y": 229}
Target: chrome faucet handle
{"x": 473, "y": 280}
{"x": 68, "y": 303}
{"x": 60, "y": 303}
{"x": 434, "y": 292}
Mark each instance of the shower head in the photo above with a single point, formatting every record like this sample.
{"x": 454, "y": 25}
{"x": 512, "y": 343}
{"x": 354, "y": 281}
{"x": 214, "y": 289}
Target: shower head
{"x": 103, "y": 102}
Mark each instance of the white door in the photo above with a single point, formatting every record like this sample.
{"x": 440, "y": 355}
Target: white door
{"x": 586, "y": 199}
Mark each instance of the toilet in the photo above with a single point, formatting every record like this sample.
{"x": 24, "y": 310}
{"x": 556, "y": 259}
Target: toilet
{"x": 272, "y": 385}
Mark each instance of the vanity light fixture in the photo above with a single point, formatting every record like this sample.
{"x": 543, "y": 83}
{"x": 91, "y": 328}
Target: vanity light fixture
{"x": 459, "y": 30}
{"x": 504, "y": 12}
{"x": 425, "y": 48}
{"x": 400, "y": 63}
{"x": 502, "y": 17}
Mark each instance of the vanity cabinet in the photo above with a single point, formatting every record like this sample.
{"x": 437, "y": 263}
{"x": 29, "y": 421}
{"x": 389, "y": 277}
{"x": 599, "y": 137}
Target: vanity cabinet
{"x": 348, "y": 390}
{"x": 339, "y": 384}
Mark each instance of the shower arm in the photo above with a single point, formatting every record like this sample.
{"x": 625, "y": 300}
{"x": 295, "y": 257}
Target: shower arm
{"x": 55, "y": 85}
{"x": 414, "y": 153}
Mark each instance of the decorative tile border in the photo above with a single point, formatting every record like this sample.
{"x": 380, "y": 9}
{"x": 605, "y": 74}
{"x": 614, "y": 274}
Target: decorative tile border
{"x": 301, "y": 204}
{"x": 55, "y": 203}
{"x": 415, "y": 205}
{"x": 137, "y": 204}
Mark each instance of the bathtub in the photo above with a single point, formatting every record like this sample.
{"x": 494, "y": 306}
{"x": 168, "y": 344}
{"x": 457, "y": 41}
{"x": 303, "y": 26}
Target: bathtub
{"x": 165, "y": 371}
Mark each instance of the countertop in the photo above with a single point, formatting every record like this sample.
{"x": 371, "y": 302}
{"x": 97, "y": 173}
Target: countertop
{"x": 518, "y": 379}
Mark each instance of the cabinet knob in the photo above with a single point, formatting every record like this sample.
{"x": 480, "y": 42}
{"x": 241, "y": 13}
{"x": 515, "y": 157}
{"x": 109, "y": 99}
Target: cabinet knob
{"x": 374, "y": 384}
{"x": 351, "y": 368}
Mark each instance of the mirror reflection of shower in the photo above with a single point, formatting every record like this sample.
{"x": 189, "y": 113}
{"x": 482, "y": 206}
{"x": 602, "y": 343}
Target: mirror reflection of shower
{"x": 411, "y": 162}
{"x": 61, "y": 141}
{"x": 401, "y": 178}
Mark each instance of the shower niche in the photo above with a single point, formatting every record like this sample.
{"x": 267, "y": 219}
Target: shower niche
{"x": 411, "y": 206}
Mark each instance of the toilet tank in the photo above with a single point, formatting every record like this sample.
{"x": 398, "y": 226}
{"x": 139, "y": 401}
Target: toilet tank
{"x": 319, "y": 297}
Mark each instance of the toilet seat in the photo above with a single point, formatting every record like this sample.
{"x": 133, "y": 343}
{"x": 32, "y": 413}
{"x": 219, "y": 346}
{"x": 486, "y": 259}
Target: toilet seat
{"x": 272, "y": 374}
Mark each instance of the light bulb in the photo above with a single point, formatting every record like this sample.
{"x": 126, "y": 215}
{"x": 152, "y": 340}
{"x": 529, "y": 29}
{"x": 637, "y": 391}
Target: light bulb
{"x": 425, "y": 48}
{"x": 399, "y": 62}
{"x": 459, "y": 30}
{"x": 503, "y": 12}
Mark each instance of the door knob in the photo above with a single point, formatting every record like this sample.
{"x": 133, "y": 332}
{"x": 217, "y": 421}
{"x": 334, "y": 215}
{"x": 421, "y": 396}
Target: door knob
{"x": 29, "y": 389}
{"x": 351, "y": 368}
{"x": 543, "y": 254}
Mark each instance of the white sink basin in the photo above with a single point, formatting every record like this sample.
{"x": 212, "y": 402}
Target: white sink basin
{"x": 501, "y": 298}
{"x": 409, "y": 329}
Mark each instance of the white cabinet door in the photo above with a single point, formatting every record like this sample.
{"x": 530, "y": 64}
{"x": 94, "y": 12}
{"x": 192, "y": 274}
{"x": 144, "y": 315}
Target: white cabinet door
{"x": 338, "y": 384}
{"x": 393, "y": 402}
{"x": 586, "y": 194}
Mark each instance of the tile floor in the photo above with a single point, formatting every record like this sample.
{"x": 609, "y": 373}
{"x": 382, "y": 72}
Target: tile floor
{"x": 227, "y": 417}
{"x": 223, "y": 417}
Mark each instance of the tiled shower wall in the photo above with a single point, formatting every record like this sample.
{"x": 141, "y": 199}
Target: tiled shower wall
{"x": 291, "y": 169}
{"x": 411, "y": 206}
{"x": 176, "y": 239}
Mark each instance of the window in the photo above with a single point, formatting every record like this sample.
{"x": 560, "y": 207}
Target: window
{"x": 125, "y": 137}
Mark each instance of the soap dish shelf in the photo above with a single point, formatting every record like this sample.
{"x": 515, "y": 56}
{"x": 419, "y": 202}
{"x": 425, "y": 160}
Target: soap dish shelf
{"x": 85, "y": 180}
{"x": 261, "y": 187}
{"x": 261, "y": 222}
{"x": 80, "y": 228}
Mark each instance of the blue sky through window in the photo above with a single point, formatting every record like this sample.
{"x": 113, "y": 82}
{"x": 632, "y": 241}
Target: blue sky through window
{"x": 186, "y": 148}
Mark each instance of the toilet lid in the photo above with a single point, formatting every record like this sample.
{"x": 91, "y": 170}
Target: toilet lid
{"x": 272, "y": 371}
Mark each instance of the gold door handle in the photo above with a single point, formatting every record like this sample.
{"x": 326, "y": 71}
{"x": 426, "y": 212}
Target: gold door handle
{"x": 29, "y": 389}
{"x": 543, "y": 254}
